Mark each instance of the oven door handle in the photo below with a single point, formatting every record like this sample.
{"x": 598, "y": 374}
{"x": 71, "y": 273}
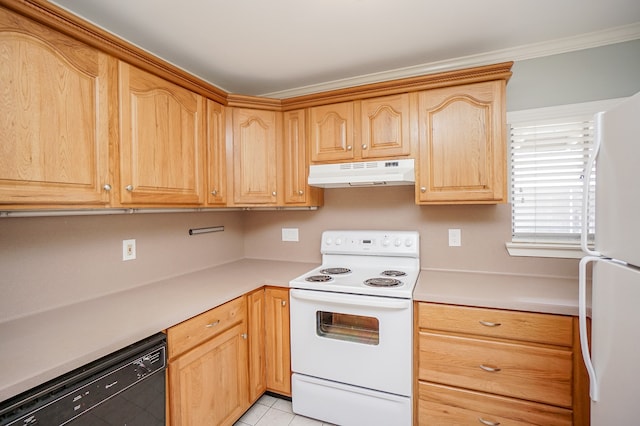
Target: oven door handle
{"x": 351, "y": 300}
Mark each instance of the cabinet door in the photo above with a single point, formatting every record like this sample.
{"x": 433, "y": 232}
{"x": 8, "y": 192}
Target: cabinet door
{"x": 295, "y": 162}
{"x": 208, "y": 384}
{"x": 216, "y": 154}
{"x": 331, "y": 132}
{"x": 257, "y": 363}
{"x": 162, "y": 141}
{"x": 462, "y": 144}
{"x": 278, "y": 345}
{"x": 385, "y": 127}
{"x": 254, "y": 156}
{"x": 54, "y": 117}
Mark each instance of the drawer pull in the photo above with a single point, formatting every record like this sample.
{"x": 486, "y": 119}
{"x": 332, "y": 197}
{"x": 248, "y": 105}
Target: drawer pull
{"x": 490, "y": 369}
{"x": 487, "y": 422}
{"x": 490, "y": 324}
{"x": 213, "y": 324}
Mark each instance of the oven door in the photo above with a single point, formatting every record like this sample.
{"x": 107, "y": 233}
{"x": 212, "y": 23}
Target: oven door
{"x": 354, "y": 339}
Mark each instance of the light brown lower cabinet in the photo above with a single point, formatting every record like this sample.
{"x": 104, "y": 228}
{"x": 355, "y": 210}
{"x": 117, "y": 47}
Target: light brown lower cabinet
{"x": 208, "y": 367}
{"x": 223, "y": 360}
{"x": 278, "y": 340}
{"x": 497, "y": 367}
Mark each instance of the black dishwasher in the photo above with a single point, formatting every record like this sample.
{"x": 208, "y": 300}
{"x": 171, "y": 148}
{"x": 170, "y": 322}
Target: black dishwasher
{"x": 126, "y": 387}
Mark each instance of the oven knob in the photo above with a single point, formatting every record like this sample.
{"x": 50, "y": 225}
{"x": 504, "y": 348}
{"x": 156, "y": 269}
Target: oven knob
{"x": 408, "y": 242}
{"x": 397, "y": 242}
{"x": 328, "y": 241}
{"x": 338, "y": 241}
{"x": 386, "y": 242}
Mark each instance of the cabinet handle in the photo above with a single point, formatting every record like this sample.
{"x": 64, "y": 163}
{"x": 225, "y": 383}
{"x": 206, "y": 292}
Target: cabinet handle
{"x": 490, "y": 369}
{"x": 487, "y": 422}
{"x": 284, "y": 303}
{"x": 423, "y": 189}
{"x": 273, "y": 193}
{"x": 129, "y": 188}
{"x": 365, "y": 146}
{"x": 244, "y": 336}
{"x": 212, "y": 324}
{"x": 106, "y": 187}
{"x": 300, "y": 192}
{"x": 349, "y": 148}
{"x": 490, "y": 324}
{"x": 214, "y": 192}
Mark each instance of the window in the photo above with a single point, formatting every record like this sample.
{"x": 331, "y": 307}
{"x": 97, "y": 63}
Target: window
{"x": 549, "y": 151}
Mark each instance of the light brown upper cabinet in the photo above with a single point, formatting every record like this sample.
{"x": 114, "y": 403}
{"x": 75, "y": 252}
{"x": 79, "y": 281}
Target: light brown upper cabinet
{"x": 373, "y": 128}
{"x": 385, "y": 127}
{"x": 295, "y": 165}
{"x": 54, "y": 118}
{"x": 331, "y": 133}
{"x": 216, "y": 155}
{"x": 162, "y": 141}
{"x": 462, "y": 144}
{"x": 255, "y": 156}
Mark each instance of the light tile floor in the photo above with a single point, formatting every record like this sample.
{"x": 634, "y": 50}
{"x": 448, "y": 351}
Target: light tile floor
{"x": 272, "y": 411}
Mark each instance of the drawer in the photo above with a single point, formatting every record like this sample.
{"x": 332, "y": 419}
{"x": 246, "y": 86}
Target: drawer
{"x": 196, "y": 330}
{"x": 443, "y": 405}
{"x": 525, "y": 326}
{"x": 510, "y": 369}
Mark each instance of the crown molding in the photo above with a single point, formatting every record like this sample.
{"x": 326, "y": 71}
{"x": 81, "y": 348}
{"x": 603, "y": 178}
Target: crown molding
{"x": 519, "y": 53}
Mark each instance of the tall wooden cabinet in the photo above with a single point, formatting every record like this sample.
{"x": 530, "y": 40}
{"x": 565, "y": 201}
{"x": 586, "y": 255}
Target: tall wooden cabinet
{"x": 162, "y": 141}
{"x": 54, "y": 117}
{"x": 216, "y": 164}
{"x": 462, "y": 138}
{"x": 254, "y": 148}
{"x": 278, "y": 342}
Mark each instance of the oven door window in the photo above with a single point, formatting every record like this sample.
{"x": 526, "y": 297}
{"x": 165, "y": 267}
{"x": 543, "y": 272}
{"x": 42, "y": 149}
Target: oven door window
{"x": 353, "y": 328}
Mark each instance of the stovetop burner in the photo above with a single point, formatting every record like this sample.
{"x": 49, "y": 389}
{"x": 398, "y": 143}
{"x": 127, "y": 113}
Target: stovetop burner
{"x": 319, "y": 278}
{"x": 383, "y": 282}
{"x": 393, "y": 273}
{"x": 335, "y": 271}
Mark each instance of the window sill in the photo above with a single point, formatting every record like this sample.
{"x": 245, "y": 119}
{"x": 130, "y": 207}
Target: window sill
{"x": 563, "y": 251}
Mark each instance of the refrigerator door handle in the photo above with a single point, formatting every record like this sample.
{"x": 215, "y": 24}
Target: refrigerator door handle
{"x": 582, "y": 320}
{"x": 584, "y": 235}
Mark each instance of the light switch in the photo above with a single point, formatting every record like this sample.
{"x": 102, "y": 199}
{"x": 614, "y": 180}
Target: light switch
{"x": 290, "y": 234}
{"x": 455, "y": 238}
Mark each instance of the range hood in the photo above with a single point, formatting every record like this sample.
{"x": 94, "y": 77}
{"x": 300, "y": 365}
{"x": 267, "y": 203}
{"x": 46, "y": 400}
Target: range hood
{"x": 366, "y": 173}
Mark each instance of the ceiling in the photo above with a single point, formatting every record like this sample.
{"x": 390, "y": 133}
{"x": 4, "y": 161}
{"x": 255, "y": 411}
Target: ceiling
{"x": 282, "y": 47}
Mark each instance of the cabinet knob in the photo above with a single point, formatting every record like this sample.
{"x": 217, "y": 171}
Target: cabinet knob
{"x": 300, "y": 192}
{"x": 490, "y": 324}
{"x": 284, "y": 303}
{"x": 365, "y": 146}
{"x": 273, "y": 193}
{"x": 129, "y": 188}
{"x": 106, "y": 187}
{"x": 349, "y": 148}
{"x": 244, "y": 336}
{"x": 214, "y": 192}
{"x": 212, "y": 324}
{"x": 423, "y": 189}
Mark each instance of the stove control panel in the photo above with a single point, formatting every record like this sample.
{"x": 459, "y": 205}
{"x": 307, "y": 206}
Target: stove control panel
{"x": 374, "y": 243}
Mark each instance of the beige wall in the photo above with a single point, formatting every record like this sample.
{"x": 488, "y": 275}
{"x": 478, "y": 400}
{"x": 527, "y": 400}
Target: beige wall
{"x": 485, "y": 229}
{"x": 52, "y": 261}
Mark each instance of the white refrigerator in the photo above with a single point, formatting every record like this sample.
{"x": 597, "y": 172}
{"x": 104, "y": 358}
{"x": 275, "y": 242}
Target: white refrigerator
{"x": 613, "y": 362}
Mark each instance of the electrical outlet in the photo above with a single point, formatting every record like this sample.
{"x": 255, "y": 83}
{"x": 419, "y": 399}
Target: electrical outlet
{"x": 290, "y": 234}
{"x": 128, "y": 249}
{"x": 455, "y": 238}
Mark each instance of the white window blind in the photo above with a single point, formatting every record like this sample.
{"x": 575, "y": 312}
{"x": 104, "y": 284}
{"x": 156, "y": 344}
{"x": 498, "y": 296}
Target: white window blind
{"x": 548, "y": 164}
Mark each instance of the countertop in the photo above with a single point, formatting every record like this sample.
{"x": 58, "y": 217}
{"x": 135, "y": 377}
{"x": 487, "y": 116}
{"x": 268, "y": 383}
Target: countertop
{"x": 40, "y": 347}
